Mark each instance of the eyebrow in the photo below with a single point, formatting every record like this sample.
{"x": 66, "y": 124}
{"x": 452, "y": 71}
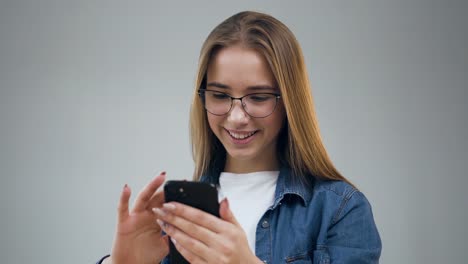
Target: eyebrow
{"x": 253, "y": 87}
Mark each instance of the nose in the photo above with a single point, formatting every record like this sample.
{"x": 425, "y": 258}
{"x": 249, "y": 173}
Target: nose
{"x": 237, "y": 113}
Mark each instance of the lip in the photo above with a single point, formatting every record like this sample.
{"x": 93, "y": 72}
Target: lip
{"x": 241, "y": 141}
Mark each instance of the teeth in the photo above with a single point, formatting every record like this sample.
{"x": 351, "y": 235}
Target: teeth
{"x": 240, "y": 136}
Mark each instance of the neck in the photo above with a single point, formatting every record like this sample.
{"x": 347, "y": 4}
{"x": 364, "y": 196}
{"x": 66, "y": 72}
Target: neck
{"x": 253, "y": 165}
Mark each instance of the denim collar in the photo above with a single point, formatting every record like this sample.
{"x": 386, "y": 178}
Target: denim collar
{"x": 287, "y": 184}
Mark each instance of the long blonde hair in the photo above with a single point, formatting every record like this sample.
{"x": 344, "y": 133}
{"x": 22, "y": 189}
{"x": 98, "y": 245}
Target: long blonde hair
{"x": 299, "y": 144}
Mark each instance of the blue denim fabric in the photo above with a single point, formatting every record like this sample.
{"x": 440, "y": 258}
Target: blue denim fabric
{"x": 328, "y": 222}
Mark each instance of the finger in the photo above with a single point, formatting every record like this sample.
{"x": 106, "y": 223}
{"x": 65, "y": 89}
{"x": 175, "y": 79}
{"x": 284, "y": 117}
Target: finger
{"x": 226, "y": 213}
{"x": 145, "y": 195}
{"x": 165, "y": 240}
{"x": 122, "y": 211}
{"x": 192, "y": 249}
{"x": 156, "y": 200}
{"x": 201, "y": 233}
{"x": 196, "y": 216}
{"x": 187, "y": 254}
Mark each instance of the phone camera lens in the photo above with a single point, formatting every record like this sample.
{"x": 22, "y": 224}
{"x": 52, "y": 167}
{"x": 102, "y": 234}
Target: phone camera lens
{"x": 181, "y": 190}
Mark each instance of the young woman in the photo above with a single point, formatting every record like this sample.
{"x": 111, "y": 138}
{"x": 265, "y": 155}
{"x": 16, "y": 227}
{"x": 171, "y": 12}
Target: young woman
{"x": 254, "y": 133}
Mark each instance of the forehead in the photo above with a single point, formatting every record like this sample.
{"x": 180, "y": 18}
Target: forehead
{"x": 239, "y": 67}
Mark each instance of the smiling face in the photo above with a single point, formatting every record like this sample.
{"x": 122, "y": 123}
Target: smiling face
{"x": 250, "y": 142}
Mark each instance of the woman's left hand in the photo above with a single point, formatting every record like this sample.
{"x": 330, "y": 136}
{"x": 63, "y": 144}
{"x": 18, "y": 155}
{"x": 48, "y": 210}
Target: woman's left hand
{"x": 203, "y": 238}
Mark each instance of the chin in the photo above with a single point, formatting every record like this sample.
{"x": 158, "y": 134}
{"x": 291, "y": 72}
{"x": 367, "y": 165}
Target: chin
{"x": 241, "y": 155}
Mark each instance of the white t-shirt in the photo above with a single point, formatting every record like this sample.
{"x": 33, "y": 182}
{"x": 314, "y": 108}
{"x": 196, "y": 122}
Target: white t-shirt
{"x": 249, "y": 195}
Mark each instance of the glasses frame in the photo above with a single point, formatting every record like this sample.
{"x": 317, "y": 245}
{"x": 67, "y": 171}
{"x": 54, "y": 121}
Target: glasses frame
{"x": 201, "y": 94}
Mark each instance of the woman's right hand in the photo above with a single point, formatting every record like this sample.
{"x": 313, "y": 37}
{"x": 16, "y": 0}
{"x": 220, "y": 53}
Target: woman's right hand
{"x": 138, "y": 237}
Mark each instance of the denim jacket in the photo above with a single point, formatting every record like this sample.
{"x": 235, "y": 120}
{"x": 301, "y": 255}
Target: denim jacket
{"x": 328, "y": 222}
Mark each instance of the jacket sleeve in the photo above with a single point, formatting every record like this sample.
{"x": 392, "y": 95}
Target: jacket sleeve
{"x": 164, "y": 261}
{"x": 353, "y": 236}
{"x": 102, "y": 259}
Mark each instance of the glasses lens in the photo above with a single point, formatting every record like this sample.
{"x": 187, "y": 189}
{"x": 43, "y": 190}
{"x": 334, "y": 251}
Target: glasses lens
{"x": 260, "y": 105}
{"x": 217, "y": 103}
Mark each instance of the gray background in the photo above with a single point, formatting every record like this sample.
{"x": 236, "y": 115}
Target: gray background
{"x": 96, "y": 94}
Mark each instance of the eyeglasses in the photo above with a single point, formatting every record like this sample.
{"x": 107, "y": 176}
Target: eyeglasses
{"x": 258, "y": 105}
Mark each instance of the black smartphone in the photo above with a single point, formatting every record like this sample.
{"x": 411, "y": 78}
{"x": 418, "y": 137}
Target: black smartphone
{"x": 200, "y": 195}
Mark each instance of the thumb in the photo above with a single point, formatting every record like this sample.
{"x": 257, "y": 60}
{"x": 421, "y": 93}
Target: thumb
{"x": 226, "y": 213}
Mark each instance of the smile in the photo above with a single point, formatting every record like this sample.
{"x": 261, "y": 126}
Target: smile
{"x": 241, "y": 135}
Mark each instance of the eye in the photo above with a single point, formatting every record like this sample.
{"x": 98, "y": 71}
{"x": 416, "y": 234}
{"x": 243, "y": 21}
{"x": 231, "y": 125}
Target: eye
{"x": 214, "y": 95}
{"x": 219, "y": 96}
{"x": 259, "y": 97}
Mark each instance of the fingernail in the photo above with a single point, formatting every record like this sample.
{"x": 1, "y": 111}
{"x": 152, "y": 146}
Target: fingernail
{"x": 163, "y": 173}
{"x": 161, "y": 223}
{"x": 173, "y": 241}
{"x": 169, "y": 206}
{"x": 159, "y": 212}
{"x": 125, "y": 186}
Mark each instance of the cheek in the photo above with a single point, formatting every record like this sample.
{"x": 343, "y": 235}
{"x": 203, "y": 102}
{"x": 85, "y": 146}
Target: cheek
{"x": 277, "y": 120}
{"x": 213, "y": 122}
{"x": 275, "y": 125}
